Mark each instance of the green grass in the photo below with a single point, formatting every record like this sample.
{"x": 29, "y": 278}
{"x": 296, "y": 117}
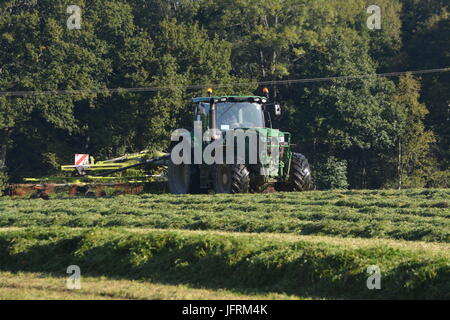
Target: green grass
{"x": 410, "y": 215}
{"x": 281, "y": 245}
{"x": 41, "y": 286}
{"x": 246, "y": 264}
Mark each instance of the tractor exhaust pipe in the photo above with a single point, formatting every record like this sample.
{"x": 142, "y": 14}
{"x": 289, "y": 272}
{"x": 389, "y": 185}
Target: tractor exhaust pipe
{"x": 213, "y": 114}
{"x": 212, "y": 111}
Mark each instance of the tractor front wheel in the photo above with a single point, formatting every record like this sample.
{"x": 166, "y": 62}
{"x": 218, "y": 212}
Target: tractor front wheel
{"x": 231, "y": 178}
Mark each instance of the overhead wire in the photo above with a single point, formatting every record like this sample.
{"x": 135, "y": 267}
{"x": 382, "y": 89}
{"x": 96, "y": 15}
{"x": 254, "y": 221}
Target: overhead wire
{"x": 226, "y": 85}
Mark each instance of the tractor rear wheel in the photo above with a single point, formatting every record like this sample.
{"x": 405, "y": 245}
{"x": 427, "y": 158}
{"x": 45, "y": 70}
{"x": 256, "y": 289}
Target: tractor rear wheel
{"x": 231, "y": 178}
{"x": 300, "y": 175}
{"x": 183, "y": 178}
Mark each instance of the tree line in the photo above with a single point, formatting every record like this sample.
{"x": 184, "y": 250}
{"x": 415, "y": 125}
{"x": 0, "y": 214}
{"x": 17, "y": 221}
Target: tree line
{"x": 371, "y": 132}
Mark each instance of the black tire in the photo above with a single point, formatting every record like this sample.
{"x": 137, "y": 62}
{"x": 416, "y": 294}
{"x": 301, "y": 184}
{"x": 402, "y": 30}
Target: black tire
{"x": 183, "y": 178}
{"x": 231, "y": 178}
{"x": 300, "y": 173}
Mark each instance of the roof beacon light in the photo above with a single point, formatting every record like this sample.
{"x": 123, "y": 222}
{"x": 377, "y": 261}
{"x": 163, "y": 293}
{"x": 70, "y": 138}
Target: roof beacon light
{"x": 210, "y": 90}
{"x": 266, "y": 92}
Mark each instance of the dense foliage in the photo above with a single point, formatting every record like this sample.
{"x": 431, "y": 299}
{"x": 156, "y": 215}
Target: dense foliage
{"x": 391, "y": 132}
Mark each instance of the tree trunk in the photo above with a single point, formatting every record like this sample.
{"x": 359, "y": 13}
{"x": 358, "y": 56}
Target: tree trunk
{"x": 5, "y": 135}
{"x": 4, "y": 139}
{"x": 274, "y": 55}
{"x": 364, "y": 174}
{"x": 399, "y": 164}
{"x": 263, "y": 67}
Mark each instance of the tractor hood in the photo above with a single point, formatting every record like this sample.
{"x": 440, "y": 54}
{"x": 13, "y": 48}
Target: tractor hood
{"x": 268, "y": 132}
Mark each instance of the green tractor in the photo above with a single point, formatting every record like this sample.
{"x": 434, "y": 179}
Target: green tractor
{"x": 239, "y": 169}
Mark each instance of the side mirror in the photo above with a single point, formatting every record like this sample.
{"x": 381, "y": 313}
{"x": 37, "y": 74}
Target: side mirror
{"x": 277, "y": 108}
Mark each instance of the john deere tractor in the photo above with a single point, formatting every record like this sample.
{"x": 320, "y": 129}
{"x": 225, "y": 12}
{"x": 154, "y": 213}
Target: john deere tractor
{"x": 236, "y": 171}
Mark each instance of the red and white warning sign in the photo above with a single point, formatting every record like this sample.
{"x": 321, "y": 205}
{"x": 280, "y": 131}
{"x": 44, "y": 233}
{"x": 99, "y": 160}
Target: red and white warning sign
{"x": 81, "y": 159}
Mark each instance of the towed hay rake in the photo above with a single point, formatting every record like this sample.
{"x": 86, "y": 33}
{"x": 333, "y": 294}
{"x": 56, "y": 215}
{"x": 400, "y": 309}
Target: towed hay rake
{"x": 90, "y": 178}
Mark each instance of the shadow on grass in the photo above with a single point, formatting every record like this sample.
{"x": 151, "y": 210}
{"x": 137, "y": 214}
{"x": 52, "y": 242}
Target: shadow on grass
{"x": 212, "y": 262}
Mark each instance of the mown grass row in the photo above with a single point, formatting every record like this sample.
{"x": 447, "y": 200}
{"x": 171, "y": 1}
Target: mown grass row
{"x": 246, "y": 264}
{"x": 40, "y": 286}
{"x": 410, "y": 214}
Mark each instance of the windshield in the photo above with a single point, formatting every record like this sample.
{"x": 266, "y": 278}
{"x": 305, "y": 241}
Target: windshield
{"x": 232, "y": 115}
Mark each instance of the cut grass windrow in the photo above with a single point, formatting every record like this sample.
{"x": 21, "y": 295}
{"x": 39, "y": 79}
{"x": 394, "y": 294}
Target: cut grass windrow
{"x": 408, "y": 214}
{"x": 242, "y": 263}
{"x": 41, "y": 286}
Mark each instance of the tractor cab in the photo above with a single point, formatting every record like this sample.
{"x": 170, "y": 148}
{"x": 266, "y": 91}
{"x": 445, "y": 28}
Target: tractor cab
{"x": 234, "y": 112}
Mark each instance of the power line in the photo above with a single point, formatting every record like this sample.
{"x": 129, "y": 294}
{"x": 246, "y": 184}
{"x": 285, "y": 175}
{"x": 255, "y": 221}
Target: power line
{"x": 196, "y": 87}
